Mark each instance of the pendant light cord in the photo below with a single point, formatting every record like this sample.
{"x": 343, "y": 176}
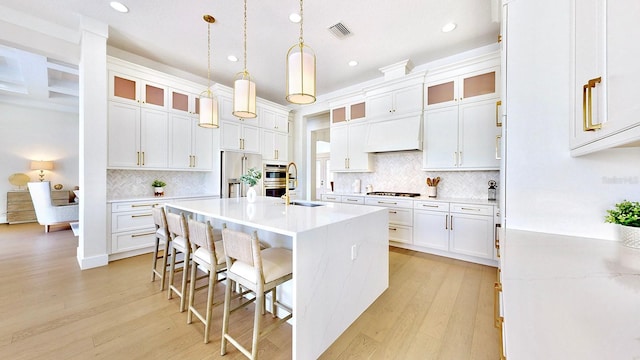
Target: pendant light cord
{"x": 245, "y": 37}
{"x": 301, "y": 20}
{"x": 208, "y": 57}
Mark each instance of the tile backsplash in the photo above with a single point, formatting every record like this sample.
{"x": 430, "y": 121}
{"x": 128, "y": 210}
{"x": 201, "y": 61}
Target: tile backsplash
{"x": 137, "y": 183}
{"x": 401, "y": 172}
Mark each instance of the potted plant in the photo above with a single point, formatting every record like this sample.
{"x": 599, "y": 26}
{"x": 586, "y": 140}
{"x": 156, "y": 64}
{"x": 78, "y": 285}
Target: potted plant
{"x": 158, "y": 187}
{"x": 251, "y": 178}
{"x": 627, "y": 215}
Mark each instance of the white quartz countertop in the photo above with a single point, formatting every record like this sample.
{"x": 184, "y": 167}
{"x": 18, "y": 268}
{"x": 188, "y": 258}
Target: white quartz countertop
{"x": 161, "y": 198}
{"x": 570, "y": 298}
{"x": 270, "y": 214}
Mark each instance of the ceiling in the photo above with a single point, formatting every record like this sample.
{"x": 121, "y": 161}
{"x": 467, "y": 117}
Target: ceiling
{"x": 173, "y": 33}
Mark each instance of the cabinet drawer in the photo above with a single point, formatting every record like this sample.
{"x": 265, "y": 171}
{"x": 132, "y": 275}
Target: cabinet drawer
{"x": 332, "y": 198}
{"x": 400, "y": 216}
{"x": 132, "y": 240}
{"x": 353, "y": 199}
{"x": 130, "y": 206}
{"x": 431, "y": 205}
{"x": 472, "y": 209}
{"x": 387, "y": 202}
{"x": 134, "y": 220}
{"x": 403, "y": 234}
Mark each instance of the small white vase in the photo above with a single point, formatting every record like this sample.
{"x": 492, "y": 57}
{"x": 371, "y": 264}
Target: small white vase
{"x": 629, "y": 236}
{"x": 251, "y": 194}
{"x": 158, "y": 191}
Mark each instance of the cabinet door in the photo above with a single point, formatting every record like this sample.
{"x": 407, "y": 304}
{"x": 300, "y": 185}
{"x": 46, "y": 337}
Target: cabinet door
{"x": 408, "y": 100}
{"x": 357, "y": 111}
{"x": 124, "y": 88}
{"x": 339, "y": 151}
{"x": 268, "y": 145}
{"x": 479, "y": 85}
{"x": 225, "y": 106}
{"x": 123, "y": 135}
{"x": 230, "y": 135}
{"x": 183, "y": 102}
{"x": 472, "y": 235}
{"x": 339, "y": 115}
{"x": 251, "y": 139}
{"x": 281, "y": 145}
{"x": 358, "y": 158}
{"x": 202, "y": 146}
{"x": 282, "y": 123}
{"x": 623, "y": 72}
{"x": 589, "y": 51}
{"x": 180, "y": 141}
{"x": 431, "y": 229}
{"x": 441, "y": 138}
{"x": 443, "y": 93}
{"x": 478, "y": 145}
{"x": 380, "y": 105}
{"x": 154, "y": 138}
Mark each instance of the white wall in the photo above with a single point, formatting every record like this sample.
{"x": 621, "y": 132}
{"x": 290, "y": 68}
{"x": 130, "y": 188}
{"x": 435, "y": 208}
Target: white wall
{"x": 547, "y": 190}
{"x": 35, "y": 134}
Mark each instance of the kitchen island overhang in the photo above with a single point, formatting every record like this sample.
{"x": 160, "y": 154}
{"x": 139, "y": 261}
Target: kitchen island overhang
{"x": 340, "y": 259}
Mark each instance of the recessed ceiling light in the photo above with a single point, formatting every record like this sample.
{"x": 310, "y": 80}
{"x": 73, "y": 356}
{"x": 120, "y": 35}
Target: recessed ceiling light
{"x": 232, "y": 58}
{"x": 448, "y": 27}
{"x": 353, "y": 63}
{"x": 119, "y": 7}
{"x": 295, "y": 18}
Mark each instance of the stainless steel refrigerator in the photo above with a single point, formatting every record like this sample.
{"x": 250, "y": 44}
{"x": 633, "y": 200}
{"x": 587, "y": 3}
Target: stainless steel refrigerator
{"x": 233, "y": 165}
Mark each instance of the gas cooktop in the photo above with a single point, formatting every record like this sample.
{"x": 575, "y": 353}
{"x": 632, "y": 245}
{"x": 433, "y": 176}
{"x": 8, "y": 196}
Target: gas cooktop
{"x": 392, "y": 193}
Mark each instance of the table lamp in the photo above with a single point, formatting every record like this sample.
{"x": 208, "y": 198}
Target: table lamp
{"x": 42, "y": 166}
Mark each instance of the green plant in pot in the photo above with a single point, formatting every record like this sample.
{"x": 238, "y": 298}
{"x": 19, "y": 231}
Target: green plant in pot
{"x": 158, "y": 187}
{"x": 251, "y": 178}
{"x": 627, "y": 215}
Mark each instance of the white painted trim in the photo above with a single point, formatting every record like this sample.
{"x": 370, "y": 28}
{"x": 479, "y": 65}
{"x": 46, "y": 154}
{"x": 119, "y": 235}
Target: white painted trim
{"x": 91, "y": 262}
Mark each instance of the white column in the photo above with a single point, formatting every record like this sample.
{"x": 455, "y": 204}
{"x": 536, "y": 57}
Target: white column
{"x": 92, "y": 246}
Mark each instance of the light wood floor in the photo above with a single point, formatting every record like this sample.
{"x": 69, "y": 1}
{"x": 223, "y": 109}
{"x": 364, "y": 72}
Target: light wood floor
{"x": 435, "y": 308}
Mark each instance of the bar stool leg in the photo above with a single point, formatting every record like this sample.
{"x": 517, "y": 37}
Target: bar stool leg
{"x": 165, "y": 255}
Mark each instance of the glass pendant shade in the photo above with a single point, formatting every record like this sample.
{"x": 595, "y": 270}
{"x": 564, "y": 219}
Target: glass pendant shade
{"x": 244, "y": 97}
{"x": 301, "y": 75}
{"x": 208, "y": 110}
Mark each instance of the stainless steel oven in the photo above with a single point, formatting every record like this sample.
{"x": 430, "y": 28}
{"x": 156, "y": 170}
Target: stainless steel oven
{"x": 274, "y": 180}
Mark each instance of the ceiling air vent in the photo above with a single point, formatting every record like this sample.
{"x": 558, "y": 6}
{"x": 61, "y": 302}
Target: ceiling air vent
{"x": 339, "y": 30}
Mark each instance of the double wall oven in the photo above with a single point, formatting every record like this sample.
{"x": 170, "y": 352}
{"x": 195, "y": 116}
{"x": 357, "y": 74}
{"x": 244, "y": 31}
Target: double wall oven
{"x": 274, "y": 180}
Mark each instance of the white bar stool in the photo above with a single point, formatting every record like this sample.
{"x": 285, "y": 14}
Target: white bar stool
{"x": 208, "y": 253}
{"x": 259, "y": 271}
{"x": 177, "y": 226}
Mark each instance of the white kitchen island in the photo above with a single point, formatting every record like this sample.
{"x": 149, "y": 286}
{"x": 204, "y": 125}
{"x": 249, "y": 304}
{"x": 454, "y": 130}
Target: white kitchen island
{"x": 340, "y": 259}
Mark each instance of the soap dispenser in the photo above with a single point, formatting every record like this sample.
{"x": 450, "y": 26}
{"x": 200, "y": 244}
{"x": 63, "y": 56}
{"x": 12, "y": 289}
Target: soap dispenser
{"x": 492, "y": 190}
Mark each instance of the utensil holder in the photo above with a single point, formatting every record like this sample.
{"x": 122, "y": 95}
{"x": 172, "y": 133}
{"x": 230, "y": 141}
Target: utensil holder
{"x": 432, "y": 191}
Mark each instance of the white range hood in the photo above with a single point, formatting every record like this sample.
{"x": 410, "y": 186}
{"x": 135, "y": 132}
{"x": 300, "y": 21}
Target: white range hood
{"x": 395, "y": 135}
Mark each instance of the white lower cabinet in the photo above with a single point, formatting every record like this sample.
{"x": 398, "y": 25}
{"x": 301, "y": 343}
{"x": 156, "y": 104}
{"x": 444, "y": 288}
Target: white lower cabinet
{"x": 400, "y": 218}
{"x": 464, "y": 231}
{"x": 132, "y": 226}
{"x": 331, "y": 198}
{"x": 472, "y": 230}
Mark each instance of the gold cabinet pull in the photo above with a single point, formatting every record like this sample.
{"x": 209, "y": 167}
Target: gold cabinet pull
{"x": 143, "y": 158}
{"x": 587, "y": 105}
{"x": 446, "y": 222}
{"x": 498, "y": 104}
{"x": 138, "y": 162}
{"x": 141, "y": 215}
{"x": 144, "y": 234}
{"x": 144, "y": 205}
{"x": 498, "y": 138}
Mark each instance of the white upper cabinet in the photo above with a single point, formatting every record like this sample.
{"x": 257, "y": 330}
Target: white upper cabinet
{"x": 605, "y": 75}
{"x": 133, "y": 90}
{"x": 348, "y": 108}
{"x": 184, "y": 102}
{"x": 469, "y": 84}
{"x": 273, "y": 119}
{"x": 397, "y": 102}
{"x": 274, "y": 145}
{"x": 238, "y": 136}
{"x": 462, "y": 116}
{"x": 190, "y": 146}
{"x": 347, "y": 148}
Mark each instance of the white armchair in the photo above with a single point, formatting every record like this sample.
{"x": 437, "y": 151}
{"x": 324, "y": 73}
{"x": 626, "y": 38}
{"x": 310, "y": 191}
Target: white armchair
{"x": 47, "y": 213}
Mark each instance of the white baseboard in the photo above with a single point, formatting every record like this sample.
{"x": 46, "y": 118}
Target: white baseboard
{"x": 92, "y": 262}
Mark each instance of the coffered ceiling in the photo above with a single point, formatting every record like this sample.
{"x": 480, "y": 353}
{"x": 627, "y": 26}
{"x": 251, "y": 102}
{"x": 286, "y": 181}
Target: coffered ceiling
{"x": 173, "y": 33}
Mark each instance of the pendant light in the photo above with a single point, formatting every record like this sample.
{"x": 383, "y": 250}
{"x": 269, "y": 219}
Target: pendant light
{"x": 244, "y": 90}
{"x": 301, "y": 71}
{"x": 207, "y": 101}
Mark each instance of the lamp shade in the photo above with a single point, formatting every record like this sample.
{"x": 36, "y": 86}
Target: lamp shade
{"x": 244, "y": 98}
{"x": 208, "y": 110}
{"x": 41, "y": 165}
{"x": 301, "y": 75}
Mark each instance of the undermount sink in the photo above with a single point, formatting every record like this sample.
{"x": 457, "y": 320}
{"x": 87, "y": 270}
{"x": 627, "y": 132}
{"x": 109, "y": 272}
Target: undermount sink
{"x": 307, "y": 204}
